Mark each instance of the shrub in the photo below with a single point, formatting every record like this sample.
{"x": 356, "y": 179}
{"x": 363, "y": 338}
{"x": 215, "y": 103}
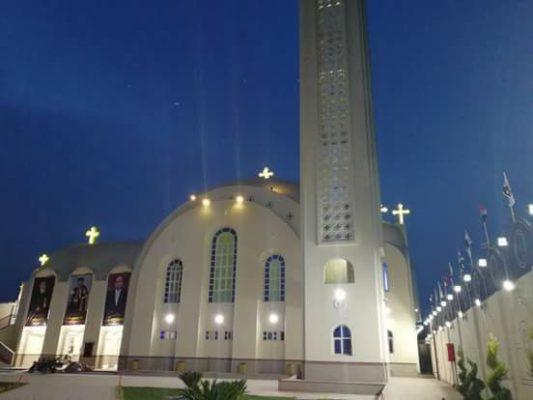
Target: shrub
{"x": 498, "y": 371}
{"x": 470, "y": 386}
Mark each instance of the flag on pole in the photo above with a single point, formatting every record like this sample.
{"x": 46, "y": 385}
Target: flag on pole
{"x": 450, "y": 276}
{"x": 507, "y": 191}
{"x": 483, "y": 213}
{"x": 441, "y": 294}
{"x": 468, "y": 244}
{"x": 461, "y": 261}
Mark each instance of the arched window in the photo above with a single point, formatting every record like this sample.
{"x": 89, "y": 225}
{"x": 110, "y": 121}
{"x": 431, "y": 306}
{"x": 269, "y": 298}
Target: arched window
{"x": 173, "y": 282}
{"x": 274, "y": 278}
{"x": 390, "y": 338}
{"x": 342, "y": 340}
{"x": 338, "y": 271}
{"x": 223, "y": 266}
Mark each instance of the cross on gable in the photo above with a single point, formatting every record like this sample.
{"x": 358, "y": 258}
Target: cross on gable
{"x": 44, "y": 259}
{"x": 92, "y": 234}
{"x": 266, "y": 173}
{"x": 401, "y": 212}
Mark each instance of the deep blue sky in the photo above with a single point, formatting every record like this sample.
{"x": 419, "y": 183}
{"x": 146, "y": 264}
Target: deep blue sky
{"x": 111, "y": 113}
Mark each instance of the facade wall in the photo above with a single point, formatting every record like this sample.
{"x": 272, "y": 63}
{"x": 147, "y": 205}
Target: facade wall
{"x": 401, "y": 320}
{"x": 52, "y": 331}
{"x": 508, "y": 316}
{"x": 260, "y": 233}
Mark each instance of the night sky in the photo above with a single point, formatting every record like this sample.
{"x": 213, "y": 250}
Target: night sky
{"x": 111, "y": 113}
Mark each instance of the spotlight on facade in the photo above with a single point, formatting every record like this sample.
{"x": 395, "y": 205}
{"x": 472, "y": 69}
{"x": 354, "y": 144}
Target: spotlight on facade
{"x": 192, "y": 197}
{"x": 435, "y": 313}
{"x": 448, "y": 324}
{"x": 443, "y": 303}
{"x": 467, "y": 277}
{"x": 339, "y": 295}
{"x": 439, "y": 308}
{"x": 457, "y": 288}
{"x": 482, "y": 263}
{"x": 239, "y": 199}
{"x": 169, "y": 318}
{"x": 502, "y": 241}
{"x": 206, "y": 202}
{"x": 477, "y": 302}
{"x": 440, "y": 328}
{"x": 273, "y": 318}
{"x": 219, "y": 319}
{"x": 508, "y": 285}
{"x": 449, "y": 296}
{"x": 460, "y": 314}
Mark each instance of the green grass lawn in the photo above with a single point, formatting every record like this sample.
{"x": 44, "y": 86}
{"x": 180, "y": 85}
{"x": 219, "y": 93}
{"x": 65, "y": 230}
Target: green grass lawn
{"x": 7, "y": 386}
{"x": 148, "y": 393}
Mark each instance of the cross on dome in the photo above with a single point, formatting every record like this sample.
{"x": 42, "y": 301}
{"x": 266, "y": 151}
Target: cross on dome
{"x": 44, "y": 259}
{"x": 400, "y": 212}
{"x": 266, "y": 173}
{"x": 92, "y": 234}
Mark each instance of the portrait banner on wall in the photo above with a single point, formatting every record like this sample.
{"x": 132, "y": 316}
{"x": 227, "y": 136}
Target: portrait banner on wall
{"x": 116, "y": 298}
{"x": 40, "y": 301}
{"x": 78, "y": 299}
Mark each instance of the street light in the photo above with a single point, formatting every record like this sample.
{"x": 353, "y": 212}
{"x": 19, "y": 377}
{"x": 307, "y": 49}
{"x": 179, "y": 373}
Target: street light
{"x": 467, "y": 277}
{"x": 457, "y": 288}
{"x": 508, "y": 285}
{"x": 502, "y": 241}
{"x": 482, "y": 263}
{"x": 449, "y": 296}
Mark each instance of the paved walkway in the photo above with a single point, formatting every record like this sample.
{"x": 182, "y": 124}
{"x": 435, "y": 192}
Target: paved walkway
{"x": 104, "y": 387}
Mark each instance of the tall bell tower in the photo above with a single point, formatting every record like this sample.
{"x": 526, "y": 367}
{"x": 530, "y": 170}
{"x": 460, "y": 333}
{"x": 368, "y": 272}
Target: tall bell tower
{"x": 341, "y": 221}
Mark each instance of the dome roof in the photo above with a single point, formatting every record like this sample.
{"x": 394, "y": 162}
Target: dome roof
{"x": 100, "y": 258}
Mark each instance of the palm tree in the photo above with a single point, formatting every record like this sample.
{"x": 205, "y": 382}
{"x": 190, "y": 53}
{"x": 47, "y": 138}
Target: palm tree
{"x": 198, "y": 389}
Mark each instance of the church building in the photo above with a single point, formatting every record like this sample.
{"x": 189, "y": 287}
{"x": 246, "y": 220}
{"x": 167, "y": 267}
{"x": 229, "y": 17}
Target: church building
{"x": 260, "y": 276}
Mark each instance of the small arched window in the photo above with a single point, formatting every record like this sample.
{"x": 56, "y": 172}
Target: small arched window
{"x": 223, "y": 266}
{"x": 390, "y": 338}
{"x": 338, "y": 271}
{"x": 173, "y": 282}
{"x": 342, "y": 340}
{"x": 274, "y": 287}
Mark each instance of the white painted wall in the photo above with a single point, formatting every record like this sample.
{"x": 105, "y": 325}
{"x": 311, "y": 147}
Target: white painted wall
{"x": 400, "y": 300}
{"x": 508, "y": 316}
{"x": 260, "y": 233}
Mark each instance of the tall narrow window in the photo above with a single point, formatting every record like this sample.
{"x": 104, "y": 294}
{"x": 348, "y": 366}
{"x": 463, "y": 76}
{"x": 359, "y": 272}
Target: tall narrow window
{"x": 390, "y": 337}
{"x": 223, "y": 266}
{"x": 274, "y": 289}
{"x": 342, "y": 340}
{"x": 386, "y": 286}
{"x": 173, "y": 282}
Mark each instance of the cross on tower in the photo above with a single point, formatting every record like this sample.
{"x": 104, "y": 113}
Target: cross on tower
{"x": 400, "y": 212}
{"x": 92, "y": 234}
{"x": 43, "y": 259}
{"x": 266, "y": 173}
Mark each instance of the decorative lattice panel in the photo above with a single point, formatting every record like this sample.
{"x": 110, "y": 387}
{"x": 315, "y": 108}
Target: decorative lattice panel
{"x": 335, "y": 172}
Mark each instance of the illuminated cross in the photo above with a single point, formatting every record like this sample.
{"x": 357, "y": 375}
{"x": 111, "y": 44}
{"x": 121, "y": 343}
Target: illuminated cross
{"x": 92, "y": 234}
{"x": 43, "y": 259}
{"x": 400, "y": 212}
{"x": 266, "y": 173}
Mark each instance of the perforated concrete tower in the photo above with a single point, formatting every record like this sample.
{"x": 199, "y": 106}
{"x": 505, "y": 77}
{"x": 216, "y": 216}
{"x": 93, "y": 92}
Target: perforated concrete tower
{"x": 341, "y": 222}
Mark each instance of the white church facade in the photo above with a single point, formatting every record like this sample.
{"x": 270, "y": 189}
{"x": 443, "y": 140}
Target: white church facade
{"x": 256, "y": 277}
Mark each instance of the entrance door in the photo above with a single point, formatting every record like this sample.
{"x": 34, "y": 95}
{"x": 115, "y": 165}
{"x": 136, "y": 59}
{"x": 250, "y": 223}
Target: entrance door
{"x": 71, "y": 342}
{"x": 110, "y": 340}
